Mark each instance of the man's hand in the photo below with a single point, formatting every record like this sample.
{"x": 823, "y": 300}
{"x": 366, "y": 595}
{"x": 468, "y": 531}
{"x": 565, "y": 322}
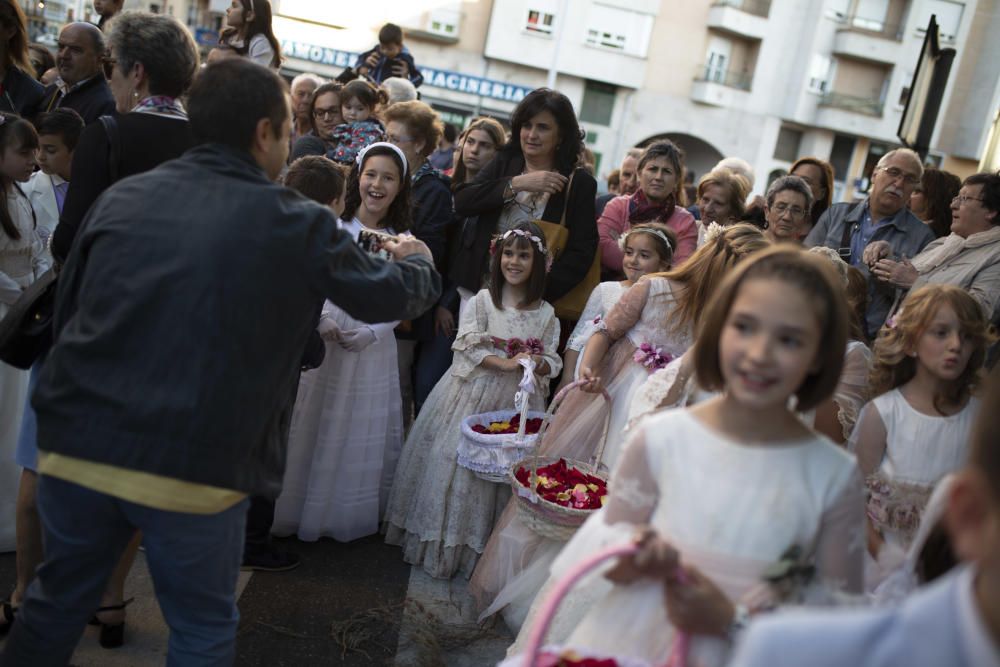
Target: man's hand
{"x": 444, "y": 322}
{"x": 401, "y": 69}
{"x": 407, "y": 246}
{"x": 898, "y": 274}
{"x": 875, "y": 251}
{"x": 372, "y": 59}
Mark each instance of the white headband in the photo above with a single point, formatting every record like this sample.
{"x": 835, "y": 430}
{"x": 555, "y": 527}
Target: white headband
{"x": 655, "y": 232}
{"x": 361, "y": 154}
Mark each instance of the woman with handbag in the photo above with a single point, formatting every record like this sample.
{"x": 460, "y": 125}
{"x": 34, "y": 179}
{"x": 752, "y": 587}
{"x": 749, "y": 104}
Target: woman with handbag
{"x": 535, "y": 177}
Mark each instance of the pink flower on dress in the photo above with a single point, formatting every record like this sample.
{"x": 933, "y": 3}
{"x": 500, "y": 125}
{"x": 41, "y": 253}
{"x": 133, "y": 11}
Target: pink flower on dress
{"x": 515, "y": 346}
{"x": 653, "y": 359}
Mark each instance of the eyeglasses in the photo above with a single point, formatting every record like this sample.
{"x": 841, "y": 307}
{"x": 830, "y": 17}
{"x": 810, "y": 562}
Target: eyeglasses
{"x": 793, "y": 211}
{"x": 896, "y": 174}
{"x": 332, "y": 112}
{"x": 963, "y": 199}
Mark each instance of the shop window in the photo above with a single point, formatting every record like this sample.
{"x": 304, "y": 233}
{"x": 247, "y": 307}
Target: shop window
{"x": 598, "y": 103}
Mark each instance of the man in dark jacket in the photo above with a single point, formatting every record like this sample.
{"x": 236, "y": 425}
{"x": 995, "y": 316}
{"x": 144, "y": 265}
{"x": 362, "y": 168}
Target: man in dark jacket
{"x": 183, "y": 310}
{"x": 81, "y": 85}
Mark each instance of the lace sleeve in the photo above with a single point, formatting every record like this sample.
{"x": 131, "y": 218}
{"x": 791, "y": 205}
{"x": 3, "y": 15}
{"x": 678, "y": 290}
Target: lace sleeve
{"x": 669, "y": 387}
{"x": 627, "y": 311}
{"x": 473, "y": 342}
{"x": 633, "y": 491}
{"x": 586, "y": 324}
{"x": 852, "y": 390}
{"x": 840, "y": 547}
{"x": 550, "y": 343}
{"x": 868, "y": 441}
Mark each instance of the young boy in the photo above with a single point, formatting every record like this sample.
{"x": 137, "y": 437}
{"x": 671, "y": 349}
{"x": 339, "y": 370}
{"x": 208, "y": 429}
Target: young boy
{"x": 58, "y": 132}
{"x": 389, "y": 58}
{"x": 954, "y": 621}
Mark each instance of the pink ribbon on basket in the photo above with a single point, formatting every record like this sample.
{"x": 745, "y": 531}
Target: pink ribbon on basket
{"x": 679, "y": 650}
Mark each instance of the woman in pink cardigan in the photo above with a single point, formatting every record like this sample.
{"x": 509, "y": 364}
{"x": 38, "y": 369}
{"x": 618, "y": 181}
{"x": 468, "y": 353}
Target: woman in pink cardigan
{"x": 661, "y": 176}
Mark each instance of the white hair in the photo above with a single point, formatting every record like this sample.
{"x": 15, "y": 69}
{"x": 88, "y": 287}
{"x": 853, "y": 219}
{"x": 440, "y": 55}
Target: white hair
{"x": 907, "y": 153}
{"x": 307, "y": 76}
{"x": 737, "y": 165}
{"x": 399, "y": 89}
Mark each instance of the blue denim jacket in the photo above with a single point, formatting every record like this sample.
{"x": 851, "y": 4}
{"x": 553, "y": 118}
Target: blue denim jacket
{"x": 182, "y": 314}
{"x": 906, "y": 235}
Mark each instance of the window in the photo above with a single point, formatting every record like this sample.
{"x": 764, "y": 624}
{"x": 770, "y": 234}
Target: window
{"x": 871, "y": 14}
{"x": 598, "y": 103}
{"x": 619, "y": 29}
{"x": 949, "y": 18}
{"x": 787, "y": 146}
{"x": 840, "y": 156}
{"x": 819, "y": 73}
{"x": 539, "y": 22}
{"x": 443, "y": 22}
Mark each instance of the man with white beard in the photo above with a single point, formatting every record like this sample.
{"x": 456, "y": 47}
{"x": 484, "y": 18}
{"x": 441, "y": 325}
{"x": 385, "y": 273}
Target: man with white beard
{"x": 883, "y": 216}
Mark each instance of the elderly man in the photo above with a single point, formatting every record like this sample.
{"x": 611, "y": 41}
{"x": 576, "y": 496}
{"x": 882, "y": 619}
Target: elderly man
{"x": 81, "y": 85}
{"x": 303, "y": 87}
{"x": 628, "y": 179}
{"x": 161, "y": 406}
{"x": 883, "y": 216}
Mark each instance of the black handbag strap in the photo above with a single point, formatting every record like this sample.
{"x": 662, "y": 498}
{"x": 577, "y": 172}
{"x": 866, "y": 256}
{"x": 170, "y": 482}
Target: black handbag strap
{"x": 844, "y": 250}
{"x": 110, "y": 124}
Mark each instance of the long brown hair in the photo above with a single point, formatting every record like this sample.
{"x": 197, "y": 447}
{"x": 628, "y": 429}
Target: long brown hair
{"x": 939, "y": 188}
{"x": 702, "y": 273}
{"x": 12, "y": 16}
{"x": 260, "y": 25}
{"x": 536, "y": 281}
{"x": 15, "y": 132}
{"x": 821, "y": 203}
{"x": 497, "y": 135}
{"x": 893, "y": 365}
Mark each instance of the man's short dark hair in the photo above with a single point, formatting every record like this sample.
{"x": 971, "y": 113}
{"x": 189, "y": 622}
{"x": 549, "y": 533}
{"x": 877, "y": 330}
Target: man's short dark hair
{"x": 230, "y": 97}
{"x": 62, "y": 122}
{"x": 450, "y": 133}
{"x": 316, "y": 177}
{"x": 390, "y": 34}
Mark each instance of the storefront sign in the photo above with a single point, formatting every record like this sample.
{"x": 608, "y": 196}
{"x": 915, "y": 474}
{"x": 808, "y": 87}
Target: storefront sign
{"x": 439, "y": 78}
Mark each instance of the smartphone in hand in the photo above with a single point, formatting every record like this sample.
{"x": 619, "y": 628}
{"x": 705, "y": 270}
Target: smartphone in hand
{"x": 373, "y": 243}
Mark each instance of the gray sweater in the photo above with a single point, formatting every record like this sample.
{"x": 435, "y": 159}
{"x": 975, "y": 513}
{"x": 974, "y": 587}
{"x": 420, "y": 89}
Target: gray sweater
{"x": 182, "y": 313}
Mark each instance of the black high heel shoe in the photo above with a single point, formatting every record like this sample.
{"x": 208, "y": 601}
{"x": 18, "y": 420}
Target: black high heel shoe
{"x": 112, "y": 634}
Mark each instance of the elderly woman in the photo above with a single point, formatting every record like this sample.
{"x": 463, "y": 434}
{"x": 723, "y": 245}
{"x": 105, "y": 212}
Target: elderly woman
{"x": 535, "y": 176}
{"x": 424, "y": 351}
{"x": 969, "y": 257}
{"x": 818, "y": 175}
{"x": 722, "y": 196}
{"x": 789, "y": 200}
{"x": 661, "y": 178}
{"x": 154, "y": 60}
{"x": 20, "y": 92}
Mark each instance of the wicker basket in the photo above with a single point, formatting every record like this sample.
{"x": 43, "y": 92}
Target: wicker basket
{"x": 534, "y": 649}
{"x": 490, "y": 455}
{"x": 548, "y": 519}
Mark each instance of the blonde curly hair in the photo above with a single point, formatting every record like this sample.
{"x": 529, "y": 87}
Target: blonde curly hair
{"x": 895, "y": 362}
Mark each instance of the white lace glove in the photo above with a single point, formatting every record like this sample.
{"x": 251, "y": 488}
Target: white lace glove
{"x": 328, "y": 330}
{"x": 356, "y": 340}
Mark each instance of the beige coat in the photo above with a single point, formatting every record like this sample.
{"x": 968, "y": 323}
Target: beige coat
{"x": 975, "y": 267}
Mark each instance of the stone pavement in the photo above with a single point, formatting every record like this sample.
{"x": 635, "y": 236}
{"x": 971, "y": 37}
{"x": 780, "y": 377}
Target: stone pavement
{"x": 347, "y": 604}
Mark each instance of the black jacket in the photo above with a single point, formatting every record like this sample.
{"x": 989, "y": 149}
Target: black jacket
{"x": 91, "y": 100}
{"x": 382, "y": 71}
{"x": 481, "y": 202}
{"x": 22, "y": 94}
{"x": 183, "y": 314}
{"x": 146, "y": 140}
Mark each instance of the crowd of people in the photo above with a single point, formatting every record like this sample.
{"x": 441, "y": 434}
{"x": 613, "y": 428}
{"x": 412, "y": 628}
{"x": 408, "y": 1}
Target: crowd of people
{"x": 271, "y": 307}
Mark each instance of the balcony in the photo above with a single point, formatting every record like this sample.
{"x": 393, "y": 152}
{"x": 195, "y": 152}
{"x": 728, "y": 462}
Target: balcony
{"x": 867, "y": 39}
{"x": 720, "y": 89}
{"x": 868, "y": 106}
{"x": 746, "y": 19}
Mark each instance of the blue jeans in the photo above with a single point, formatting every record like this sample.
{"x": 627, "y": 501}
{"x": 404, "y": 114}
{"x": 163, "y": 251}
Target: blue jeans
{"x": 194, "y": 560}
{"x": 434, "y": 358}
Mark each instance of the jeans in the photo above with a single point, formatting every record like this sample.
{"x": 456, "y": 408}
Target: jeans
{"x": 434, "y": 358}
{"x": 194, "y": 560}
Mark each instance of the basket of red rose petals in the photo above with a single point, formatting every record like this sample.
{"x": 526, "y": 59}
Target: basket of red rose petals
{"x": 554, "y": 495}
{"x": 492, "y": 441}
{"x": 537, "y": 655}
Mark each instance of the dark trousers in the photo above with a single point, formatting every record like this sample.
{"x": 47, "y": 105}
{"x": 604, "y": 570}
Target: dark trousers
{"x": 260, "y": 516}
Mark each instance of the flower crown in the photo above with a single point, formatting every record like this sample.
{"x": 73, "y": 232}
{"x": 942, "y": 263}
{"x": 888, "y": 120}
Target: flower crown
{"x": 539, "y": 244}
{"x": 646, "y": 230}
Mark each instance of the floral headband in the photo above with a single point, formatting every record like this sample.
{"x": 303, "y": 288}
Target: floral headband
{"x": 646, "y": 230}
{"x": 360, "y": 159}
{"x": 539, "y": 243}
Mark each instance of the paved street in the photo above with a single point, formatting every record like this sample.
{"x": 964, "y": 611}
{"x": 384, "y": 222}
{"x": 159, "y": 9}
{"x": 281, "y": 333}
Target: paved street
{"x": 347, "y": 604}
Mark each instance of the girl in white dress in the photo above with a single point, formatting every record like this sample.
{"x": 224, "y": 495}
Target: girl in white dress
{"x": 440, "y": 513}
{"x": 732, "y": 483}
{"x": 346, "y": 430}
{"x": 927, "y": 361}
{"x": 660, "y": 312}
{"x": 644, "y": 252}
{"x": 22, "y": 260}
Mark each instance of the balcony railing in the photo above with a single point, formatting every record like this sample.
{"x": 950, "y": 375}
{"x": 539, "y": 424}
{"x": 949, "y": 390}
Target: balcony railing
{"x": 739, "y": 80}
{"x": 870, "y": 106}
{"x": 876, "y": 27}
{"x": 755, "y": 7}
